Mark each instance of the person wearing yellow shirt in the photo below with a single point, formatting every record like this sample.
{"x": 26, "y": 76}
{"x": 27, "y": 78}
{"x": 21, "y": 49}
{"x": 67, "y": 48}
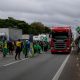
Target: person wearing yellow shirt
{"x": 18, "y": 49}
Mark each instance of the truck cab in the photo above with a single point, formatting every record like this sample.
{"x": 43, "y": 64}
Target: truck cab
{"x": 61, "y": 39}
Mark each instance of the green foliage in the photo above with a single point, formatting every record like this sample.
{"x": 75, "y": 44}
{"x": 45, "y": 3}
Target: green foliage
{"x": 37, "y": 27}
{"x": 34, "y": 28}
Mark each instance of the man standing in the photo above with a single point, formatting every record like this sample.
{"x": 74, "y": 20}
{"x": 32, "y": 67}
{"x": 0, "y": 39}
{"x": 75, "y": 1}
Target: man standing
{"x": 18, "y": 49}
{"x": 25, "y": 49}
{"x": 10, "y": 47}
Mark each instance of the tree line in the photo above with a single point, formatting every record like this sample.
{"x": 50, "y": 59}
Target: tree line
{"x": 33, "y": 28}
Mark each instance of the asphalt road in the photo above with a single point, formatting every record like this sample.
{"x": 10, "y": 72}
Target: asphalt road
{"x": 72, "y": 68}
{"x": 42, "y": 67}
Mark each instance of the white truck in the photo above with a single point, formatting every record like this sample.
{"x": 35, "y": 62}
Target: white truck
{"x": 10, "y": 33}
{"x": 41, "y": 37}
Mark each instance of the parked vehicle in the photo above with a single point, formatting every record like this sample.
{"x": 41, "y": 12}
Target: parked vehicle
{"x": 61, "y": 39}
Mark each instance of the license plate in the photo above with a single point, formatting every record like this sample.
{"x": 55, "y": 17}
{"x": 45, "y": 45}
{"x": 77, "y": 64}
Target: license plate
{"x": 59, "y": 51}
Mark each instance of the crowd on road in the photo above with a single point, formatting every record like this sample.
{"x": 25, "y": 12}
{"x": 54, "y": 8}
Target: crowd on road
{"x": 26, "y": 47}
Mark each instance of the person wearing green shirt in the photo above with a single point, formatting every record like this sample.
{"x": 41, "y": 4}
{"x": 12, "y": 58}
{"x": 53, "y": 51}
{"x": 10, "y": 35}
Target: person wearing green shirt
{"x": 25, "y": 49}
{"x": 39, "y": 49}
{"x": 5, "y": 48}
{"x": 35, "y": 48}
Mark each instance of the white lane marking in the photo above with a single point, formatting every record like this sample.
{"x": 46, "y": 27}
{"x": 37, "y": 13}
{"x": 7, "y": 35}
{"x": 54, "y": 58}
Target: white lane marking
{"x": 57, "y": 75}
{"x": 14, "y": 62}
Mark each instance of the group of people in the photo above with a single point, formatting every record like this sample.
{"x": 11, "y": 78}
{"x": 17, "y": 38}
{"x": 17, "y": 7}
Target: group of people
{"x": 40, "y": 46}
{"x": 23, "y": 46}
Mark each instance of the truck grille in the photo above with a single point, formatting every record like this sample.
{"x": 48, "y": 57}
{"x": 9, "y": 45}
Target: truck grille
{"x": 59, "y": 45}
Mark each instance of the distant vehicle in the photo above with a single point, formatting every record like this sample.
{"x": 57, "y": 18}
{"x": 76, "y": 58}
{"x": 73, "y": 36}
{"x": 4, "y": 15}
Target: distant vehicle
{"x": 41, "y": 37}
{"x": 35, "y": 38}
{"x": 61, "y": 39}
{"x": 10, "y": 33}
{"x": 24, "y": 40}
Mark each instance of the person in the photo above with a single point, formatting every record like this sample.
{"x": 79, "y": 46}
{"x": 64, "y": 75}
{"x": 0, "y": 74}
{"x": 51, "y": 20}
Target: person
{"x": 28, "y": 47}
{"x": 5, "y": 48}
{"x": 42, "y": 45}
{"x": 79, "y": 45}
{"x": 45, "y": 46}
{"x": 1, "y": 43}
{"x": 25, "y": 49}
{"x": 10, "y": 47}
{"x": 35, "y": 47}
{"x": 39, "y": 49}
{"x": 18, "y": 49}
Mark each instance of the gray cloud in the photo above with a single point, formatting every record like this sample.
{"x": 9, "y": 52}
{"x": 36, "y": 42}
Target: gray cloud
{"x": 50, "y": 12}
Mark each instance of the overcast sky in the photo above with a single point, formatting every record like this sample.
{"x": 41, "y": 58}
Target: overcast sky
{"x": 49, "y": 12}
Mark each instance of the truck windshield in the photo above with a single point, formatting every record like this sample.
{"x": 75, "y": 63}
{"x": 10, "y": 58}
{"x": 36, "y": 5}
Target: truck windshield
{"x": 59, "y": 35}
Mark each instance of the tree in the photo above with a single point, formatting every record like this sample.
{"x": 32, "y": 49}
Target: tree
{"x": 47, "y": 30}
{"x": 34, "y": 28}
{"x": 37, "y": 27}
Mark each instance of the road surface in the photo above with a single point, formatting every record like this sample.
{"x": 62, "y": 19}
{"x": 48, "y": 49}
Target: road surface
{"x": 42, "y": 67}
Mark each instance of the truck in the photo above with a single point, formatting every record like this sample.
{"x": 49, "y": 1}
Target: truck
{"x": 41, "y": 37}
{"x": 61, "y": 39}
{"x": 10, "y": 33}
